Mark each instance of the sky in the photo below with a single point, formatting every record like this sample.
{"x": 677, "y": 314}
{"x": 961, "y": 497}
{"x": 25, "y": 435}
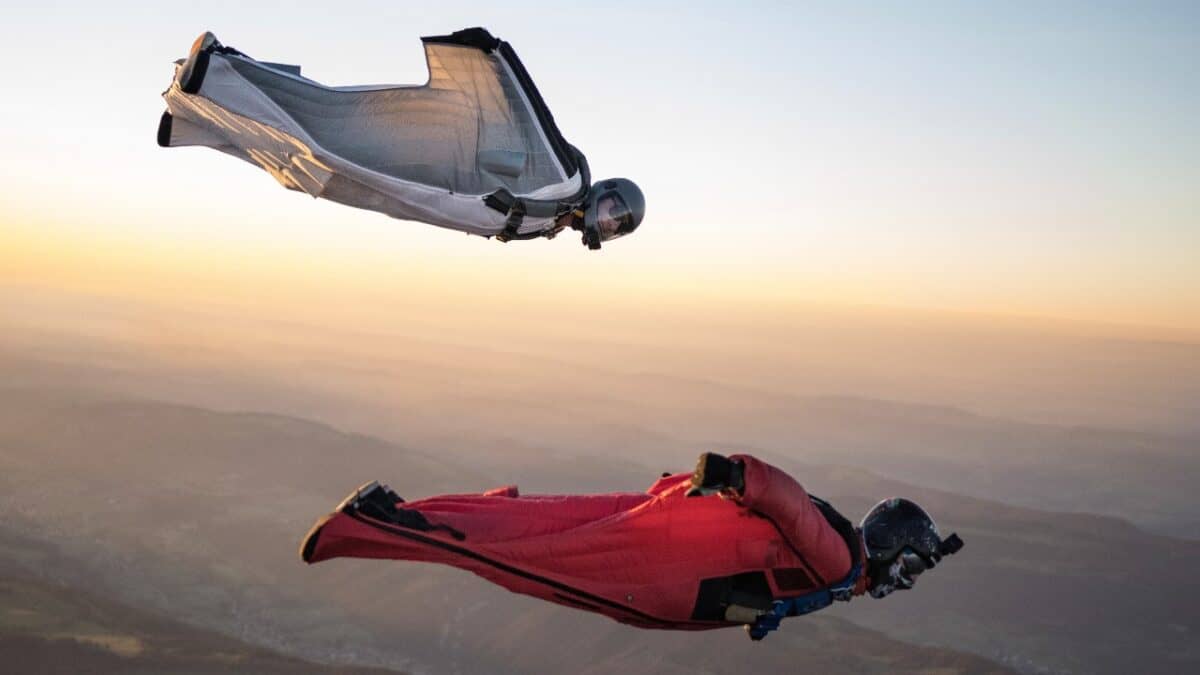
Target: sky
{"x": 1024, "y": 159}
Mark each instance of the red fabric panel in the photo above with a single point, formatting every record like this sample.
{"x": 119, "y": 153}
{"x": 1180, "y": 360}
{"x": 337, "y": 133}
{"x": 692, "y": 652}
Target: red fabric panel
{"x": 636, "y": 557}
{"x": 779, "y": 497}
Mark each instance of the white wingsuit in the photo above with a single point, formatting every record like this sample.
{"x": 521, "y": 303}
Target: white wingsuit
{"x": 474, "y": 149}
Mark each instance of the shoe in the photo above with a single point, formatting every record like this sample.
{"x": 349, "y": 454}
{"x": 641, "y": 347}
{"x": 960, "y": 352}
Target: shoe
{"x": 712, "y": 471}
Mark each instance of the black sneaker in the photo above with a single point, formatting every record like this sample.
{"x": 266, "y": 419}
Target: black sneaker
{"x": 380, "y": 503}
{"x": 369, "y": 493}
{"x": 717, "y": 472}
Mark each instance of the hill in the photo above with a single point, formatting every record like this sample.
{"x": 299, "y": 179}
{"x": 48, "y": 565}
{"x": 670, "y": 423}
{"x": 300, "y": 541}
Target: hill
{"x": 198, "y": 513}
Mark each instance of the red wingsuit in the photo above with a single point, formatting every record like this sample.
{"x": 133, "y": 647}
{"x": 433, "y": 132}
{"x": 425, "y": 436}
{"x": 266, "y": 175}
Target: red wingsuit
{"x": 657, "y": 559}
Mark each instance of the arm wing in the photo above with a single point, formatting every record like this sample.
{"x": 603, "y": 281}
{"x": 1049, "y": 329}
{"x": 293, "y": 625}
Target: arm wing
{"x": 478, "y": 125}
{"x": 776, "y": 495}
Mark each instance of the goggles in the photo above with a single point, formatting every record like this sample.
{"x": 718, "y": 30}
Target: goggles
{"x": 912, "y": 565}
{"x": 618, "y": 216}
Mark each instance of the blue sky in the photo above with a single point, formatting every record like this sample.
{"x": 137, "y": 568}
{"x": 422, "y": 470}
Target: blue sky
{"x": 1026, "y": 157}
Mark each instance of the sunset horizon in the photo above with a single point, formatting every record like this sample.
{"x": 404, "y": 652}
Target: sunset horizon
{"x": 340, "y": 339}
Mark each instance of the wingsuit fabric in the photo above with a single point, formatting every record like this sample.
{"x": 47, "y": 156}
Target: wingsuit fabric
{"x": 429, "y": 153}
{"x": 639, "y": 558}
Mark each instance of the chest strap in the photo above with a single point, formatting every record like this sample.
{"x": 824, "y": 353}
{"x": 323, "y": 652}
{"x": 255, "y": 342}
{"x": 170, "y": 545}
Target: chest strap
{"x": 805, "y": 604}
{"x": 516, "y": 208}
{"x": 842, "y": 590}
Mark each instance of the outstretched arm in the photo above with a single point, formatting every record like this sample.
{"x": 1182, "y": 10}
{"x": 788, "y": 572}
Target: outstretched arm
{"x": 777, "y": 496}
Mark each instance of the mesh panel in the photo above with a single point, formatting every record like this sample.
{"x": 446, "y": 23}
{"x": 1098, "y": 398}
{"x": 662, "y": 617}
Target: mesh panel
{"x": 467, "y": 131}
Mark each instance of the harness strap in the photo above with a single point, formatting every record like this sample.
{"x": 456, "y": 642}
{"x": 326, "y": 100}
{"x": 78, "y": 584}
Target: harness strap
{"x": 805, "y": 604}
{"x": 516, "y": 214}
{"x": 840, "y": 591}
{"x": 516, "y": 208}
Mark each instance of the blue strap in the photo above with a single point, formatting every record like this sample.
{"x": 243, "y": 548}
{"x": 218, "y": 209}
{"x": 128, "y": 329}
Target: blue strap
{"x": 805, "y": 604}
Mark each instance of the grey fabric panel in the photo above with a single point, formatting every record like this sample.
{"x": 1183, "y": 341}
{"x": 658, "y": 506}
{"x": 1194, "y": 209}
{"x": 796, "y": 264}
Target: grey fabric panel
{"x": 503, "y": 162}
{"x": 465, "y": 131}
{"x": 290, "y": 160}
{"x": 283, "y": 67}
{"x": 185, "y": 133}
{"x": 234, "y": 115}
{"x": 345, "y": 190}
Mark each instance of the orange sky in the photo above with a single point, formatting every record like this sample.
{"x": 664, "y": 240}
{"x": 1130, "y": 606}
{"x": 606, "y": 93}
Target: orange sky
{"x": 886, "y": 164}
{"x": 440, "y": 271}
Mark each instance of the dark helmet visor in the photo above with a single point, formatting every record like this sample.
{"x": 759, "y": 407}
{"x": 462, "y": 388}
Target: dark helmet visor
{"x": 613, "y": 214}
{"x": 912, "y": 564}
{"x": 895, "y": 524}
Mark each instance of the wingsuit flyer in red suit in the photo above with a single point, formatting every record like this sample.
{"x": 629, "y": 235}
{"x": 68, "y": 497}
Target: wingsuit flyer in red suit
{"x": 736, "y": 542}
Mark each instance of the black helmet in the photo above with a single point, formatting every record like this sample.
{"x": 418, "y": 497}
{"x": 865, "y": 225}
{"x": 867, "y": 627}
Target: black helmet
{"x": 614, "y": 208}
{"x": 902, "y": 541}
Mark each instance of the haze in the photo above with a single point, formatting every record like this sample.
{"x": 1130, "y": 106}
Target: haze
{"x": 945, "y": 252}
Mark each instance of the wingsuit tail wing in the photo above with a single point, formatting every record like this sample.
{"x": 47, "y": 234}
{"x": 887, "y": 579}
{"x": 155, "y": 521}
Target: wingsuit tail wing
{"x": 308, "y": 547}
{"x": 315, "y": 538}
{"x": 371, "y": 523}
